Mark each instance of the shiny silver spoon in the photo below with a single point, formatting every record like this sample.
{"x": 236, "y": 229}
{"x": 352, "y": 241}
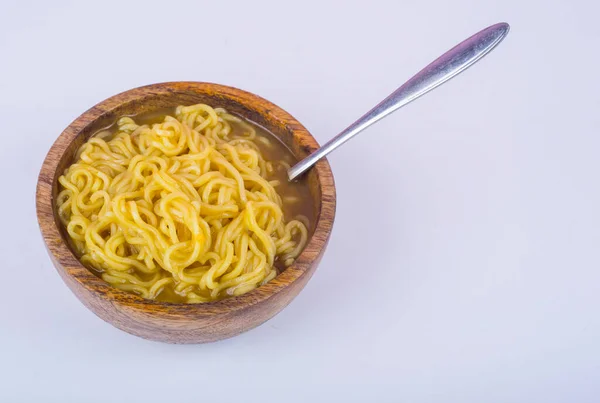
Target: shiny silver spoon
{"x": 454, "y": 61}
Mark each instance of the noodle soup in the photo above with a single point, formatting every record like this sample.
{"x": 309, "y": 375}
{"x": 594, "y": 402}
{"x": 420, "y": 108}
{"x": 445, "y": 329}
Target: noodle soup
{"x": 185, "y": 205}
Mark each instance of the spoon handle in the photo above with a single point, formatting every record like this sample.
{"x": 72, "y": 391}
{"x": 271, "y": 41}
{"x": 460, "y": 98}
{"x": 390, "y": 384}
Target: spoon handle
{"x": 456, "y": 60}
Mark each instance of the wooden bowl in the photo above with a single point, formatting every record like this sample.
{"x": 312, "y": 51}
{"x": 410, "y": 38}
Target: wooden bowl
{"x": 184, "y": 323}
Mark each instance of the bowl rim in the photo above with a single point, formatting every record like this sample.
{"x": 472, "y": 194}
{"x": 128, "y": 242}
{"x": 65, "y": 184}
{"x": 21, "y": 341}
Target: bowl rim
{"x": 68, "y": 265}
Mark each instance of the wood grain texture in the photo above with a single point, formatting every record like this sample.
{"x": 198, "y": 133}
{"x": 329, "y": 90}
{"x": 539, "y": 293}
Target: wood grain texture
{"x": 184, "y": 323}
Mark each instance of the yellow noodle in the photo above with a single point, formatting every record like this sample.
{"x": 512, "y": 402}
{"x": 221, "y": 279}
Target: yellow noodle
{"x": 183, "y": 205}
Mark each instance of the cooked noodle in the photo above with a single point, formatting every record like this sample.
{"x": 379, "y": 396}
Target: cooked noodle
{"x": 183, "y": 205}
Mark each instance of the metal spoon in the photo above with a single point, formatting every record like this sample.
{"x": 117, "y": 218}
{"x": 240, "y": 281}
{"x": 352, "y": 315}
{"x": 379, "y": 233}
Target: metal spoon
{"x": 456, "y": 60}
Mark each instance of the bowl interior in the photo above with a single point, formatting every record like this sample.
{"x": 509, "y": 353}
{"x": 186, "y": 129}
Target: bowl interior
{"x": 159, "y": 96}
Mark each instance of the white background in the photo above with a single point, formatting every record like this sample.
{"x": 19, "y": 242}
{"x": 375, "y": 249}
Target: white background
{"x": 465, "y": 260}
